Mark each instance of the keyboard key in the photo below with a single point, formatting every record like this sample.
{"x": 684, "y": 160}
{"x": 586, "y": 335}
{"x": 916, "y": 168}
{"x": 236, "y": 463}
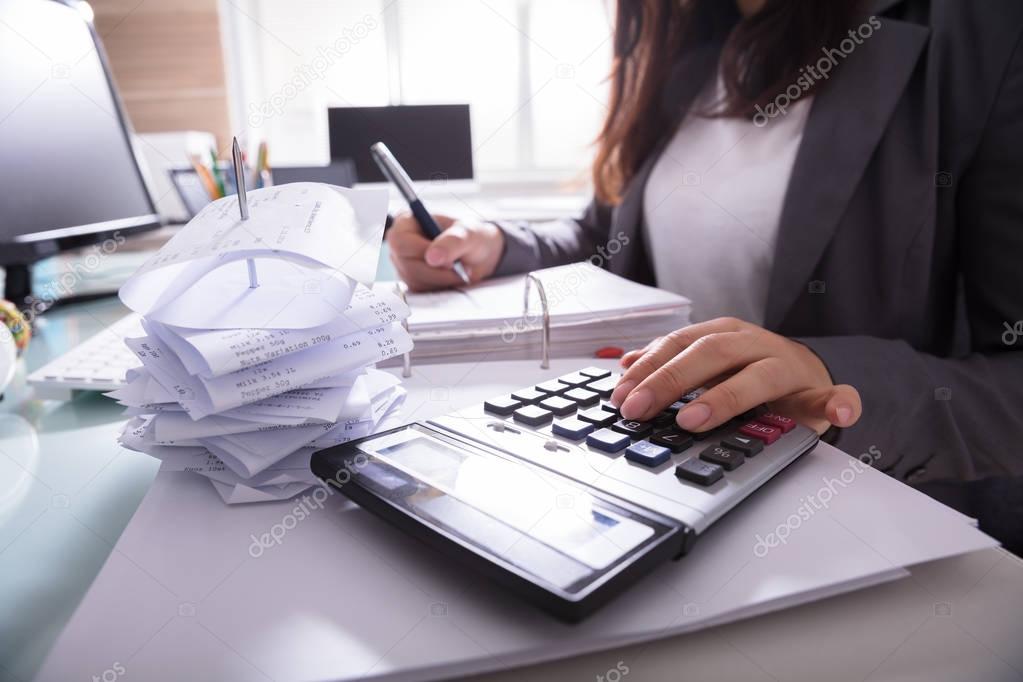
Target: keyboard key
{"x": 766, "y": 433}
{"x": 691, "y": 396}
{"x": 696, "y": 471}
{"x": 608, "y": 407}
{"x": 552, "y": 387}
{"x": 532, "y": 415}
{"x": 575, "y": 379}
{"x": 664, "y": 419}
{"x": 558, "y": 405}
{"x": 595, "y": 372}
{"x": 744, "y": 444}
{"x": 673, "y": 439}
{"x": 597, "y": 417}
{"x": 633, "y": 428}
{"x": 582, "y": 397}
{"x": 604, "y": 386}
{"x": 607, "y": 440}
{"x": 528, "y": 396}
{"x": 725, "y": 457}
{"x": 676, "y": 406}
{"x": 575, "y": 429}
{"x": 646, "y": 453}
{"x": 786, "y": 424}
{"x": 501, "y": 406}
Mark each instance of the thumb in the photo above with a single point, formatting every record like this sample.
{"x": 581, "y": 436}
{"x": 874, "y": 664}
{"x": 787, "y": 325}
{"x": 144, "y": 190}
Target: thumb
{"x": 843, "y": 407}
{"x": 452, "y": 244}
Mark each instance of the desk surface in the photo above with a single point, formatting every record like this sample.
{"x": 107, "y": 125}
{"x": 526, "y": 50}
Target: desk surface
{"x": 67, "y": 491}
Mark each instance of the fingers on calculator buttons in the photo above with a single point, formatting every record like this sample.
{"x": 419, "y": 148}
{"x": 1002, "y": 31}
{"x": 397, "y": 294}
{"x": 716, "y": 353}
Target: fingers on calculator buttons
{"x": 604, "y": 387}
{"x": 528, "y": 396}
{"x": 703, "y": 473}
{"x": 725, "y": 457}
{"x": 575, "y": 429}
{"x": 501, "y": 406}
{"x": 634, "y": 429}
{"x": 532, "y": 415}
{"x": 558, "y": 405}
{"x": 786, "y": 424}
{"x": 648, "y": 454}
{"x": 597, "y": 416}
{"x": 552, "y": 387}
{"x": 575, "y": 379}
{"x": 676, "y": 441}
{"x": 766, "y": 433}
{"x": 582, "y": 397}
{"x": 595, "y": 372}
{"x": 607, "y": 440}
{"x": 744, "y": 444}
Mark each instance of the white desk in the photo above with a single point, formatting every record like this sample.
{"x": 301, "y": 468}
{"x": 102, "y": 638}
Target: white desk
{"x": 66, "y": 504}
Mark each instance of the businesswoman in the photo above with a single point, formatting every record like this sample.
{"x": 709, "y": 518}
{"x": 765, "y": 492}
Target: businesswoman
{"x": 838, "y": 187}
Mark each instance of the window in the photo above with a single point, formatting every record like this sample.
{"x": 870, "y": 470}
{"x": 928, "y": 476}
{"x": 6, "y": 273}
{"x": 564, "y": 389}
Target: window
{"x": 533, "y": 73}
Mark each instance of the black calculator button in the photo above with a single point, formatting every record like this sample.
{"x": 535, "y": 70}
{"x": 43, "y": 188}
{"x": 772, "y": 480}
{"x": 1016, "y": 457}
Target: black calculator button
{"x": 726, "y": 457}
{"x": 552, "y": 387}
{"x": 696, "y": 471}
{"x": 744, "y": 444}
{"x": 690, "y": 397}
{"x": 607, "y": 440}
{"x": 676, "y": 406}
{"x": 597, "y": 416}
{"x": 575, "y": 429}
{"x": 604, "y": 386}
{"x": 574, "y": 379}
{"x": 558, "y": 405}
{"x": 674, "y": 440}
{"x": 501, "y": 406}
{"x": 664, "y": 419}
{"x": 595, "y": 372}
{"x": 646, "y": 453}
{"x": 633, "y": 428}
{"x": 582, "y": 397}
{"x": 528, "y": 396}
{"x": 532, "y": 415}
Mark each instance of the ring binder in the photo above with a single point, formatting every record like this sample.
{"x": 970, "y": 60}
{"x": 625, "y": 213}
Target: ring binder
{"x": 545, "y": 334}
{"x": 406, "y": 358}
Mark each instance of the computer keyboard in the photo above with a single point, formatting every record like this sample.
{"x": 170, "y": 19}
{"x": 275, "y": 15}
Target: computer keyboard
{"x": 97, "y": 364}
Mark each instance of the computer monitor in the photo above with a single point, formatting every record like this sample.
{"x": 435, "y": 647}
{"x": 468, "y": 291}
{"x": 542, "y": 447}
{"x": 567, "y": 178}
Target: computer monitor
{"x": 432, "y": 142}
{"x": 69, "y": 174}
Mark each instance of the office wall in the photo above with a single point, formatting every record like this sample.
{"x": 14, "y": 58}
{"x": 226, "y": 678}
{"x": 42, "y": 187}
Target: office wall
{"x": 168, "y": 63}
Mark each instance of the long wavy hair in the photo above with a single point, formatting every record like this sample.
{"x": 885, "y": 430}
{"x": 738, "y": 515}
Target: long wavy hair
{"x": 760, "y": 56}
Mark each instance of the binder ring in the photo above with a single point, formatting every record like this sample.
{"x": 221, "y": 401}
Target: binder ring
{"x": 406, "y": 357}
{"x": 545, "y": 334}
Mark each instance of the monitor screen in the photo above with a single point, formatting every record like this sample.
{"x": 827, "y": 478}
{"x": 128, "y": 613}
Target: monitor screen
{"x": 432, "y": 142}
{"x": 67, "y": 166}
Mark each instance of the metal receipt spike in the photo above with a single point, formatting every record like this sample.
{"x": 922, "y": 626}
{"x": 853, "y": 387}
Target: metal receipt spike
{"x": 545, "y": 338}
{"x": 243, "y": 203}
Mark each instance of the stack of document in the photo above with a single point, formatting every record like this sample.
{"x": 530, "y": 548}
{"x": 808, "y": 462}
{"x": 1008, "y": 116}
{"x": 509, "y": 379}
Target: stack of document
{"x": 241, "y": 383}
{"x": 589, "y": 309}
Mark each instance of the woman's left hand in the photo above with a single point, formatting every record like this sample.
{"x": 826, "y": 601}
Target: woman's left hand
{"x": 743, "y": 366}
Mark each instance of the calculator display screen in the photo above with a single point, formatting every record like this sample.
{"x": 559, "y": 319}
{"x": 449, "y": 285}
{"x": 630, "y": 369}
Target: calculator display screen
{"x": 544, "y": 524}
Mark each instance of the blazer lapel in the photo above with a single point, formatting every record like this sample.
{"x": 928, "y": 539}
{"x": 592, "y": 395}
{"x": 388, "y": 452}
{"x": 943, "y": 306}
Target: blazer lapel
{"x": 846, "y": 123}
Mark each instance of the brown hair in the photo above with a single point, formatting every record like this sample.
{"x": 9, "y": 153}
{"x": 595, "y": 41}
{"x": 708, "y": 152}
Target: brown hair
{"x": 759, "y": 57}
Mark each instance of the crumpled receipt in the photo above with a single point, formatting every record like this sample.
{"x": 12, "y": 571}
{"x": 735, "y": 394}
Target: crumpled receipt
{"x": 310, "y": 243}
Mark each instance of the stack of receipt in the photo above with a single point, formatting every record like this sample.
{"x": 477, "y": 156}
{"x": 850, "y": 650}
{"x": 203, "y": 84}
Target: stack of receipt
{"x": 242, "y": 383}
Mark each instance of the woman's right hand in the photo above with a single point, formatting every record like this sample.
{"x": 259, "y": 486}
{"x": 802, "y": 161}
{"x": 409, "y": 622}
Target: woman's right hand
{"x": 425, "y": 265}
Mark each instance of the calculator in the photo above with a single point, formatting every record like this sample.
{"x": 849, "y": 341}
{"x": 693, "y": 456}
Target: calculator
{"x": 548, "y": 491}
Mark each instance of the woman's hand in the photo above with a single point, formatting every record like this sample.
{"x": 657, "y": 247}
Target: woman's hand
{"x": 425, "y": 265}
{"x": 743, "y": 366}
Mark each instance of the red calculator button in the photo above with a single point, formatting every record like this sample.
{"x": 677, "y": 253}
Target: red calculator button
{"x": 786, "y": 424}
{"x": 766, "y": 433}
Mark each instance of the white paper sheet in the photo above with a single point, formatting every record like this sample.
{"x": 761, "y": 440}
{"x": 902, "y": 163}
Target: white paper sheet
{"x": 309, "y": 242}
{"x": 213, "y": 353}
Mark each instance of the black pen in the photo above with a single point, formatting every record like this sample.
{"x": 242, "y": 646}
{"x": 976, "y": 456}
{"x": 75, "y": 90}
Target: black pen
{"x": 393, "y": 171}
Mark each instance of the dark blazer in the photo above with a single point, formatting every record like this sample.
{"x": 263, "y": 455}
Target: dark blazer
{"x": 899, "y": 259}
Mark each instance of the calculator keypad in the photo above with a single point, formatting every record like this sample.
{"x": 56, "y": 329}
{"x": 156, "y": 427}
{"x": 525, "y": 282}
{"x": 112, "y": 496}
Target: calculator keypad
{"x": 576, "y": 408}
